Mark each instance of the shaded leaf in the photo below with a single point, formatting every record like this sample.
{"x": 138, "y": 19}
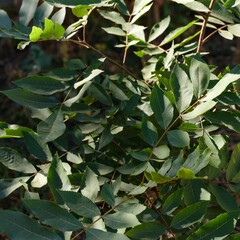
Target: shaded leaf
{"x": 58, "y": 179}
{"x": 7, "y": 186}
{"x": 5, "y": 21}
{"x": 172, "y": 202}
{"x": 178, "y": 138}
{"x": 24, "y": 227}
{"x": 217, "y": 228}
{"x": 189, "y": 215}
{"x": 27, "y": 11}
{"x": 107, "y": 194}
{"x": 51, "y": 128}
{"x": 29, "y": 99}
{"x": 36, "y": 147}
{"x": 150, "y": 134}
{"x": 79, "y": 204}
{"x": 91, "y": 185}
{"x": 224, "y": 198}
{"x": 221, "y": 86}
{"x": 182, "y": 88}
{"x": 147, "y": 230}
{"x": 51, "y": 214}
{"x": 14, "y": 161}
{"x": 96, "y": 234}
{"x": 40, "y": 85}
{"x": 199, "y": 75}
{"x": 162, "y": 107}
{"x": 121, "y": 220}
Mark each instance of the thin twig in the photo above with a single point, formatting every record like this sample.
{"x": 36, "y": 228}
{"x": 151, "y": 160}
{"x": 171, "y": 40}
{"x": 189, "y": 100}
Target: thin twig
{"x": 126, "y": 40}
{"x": 102, "y": 216}
{"x": 160, "y": 215}
{"x": 212, "y": 33}
{"x": 203, "y": 29}
{"x": 87, "y": 45}
{"x": 165, "y": 132}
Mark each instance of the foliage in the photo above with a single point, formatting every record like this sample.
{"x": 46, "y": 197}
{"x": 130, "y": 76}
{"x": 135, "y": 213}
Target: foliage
{"x": 123, "y": 156}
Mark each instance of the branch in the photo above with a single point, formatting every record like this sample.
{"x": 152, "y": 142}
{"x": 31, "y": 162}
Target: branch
{"x": 87, "y": 45}
{"x": 205, "y": 21}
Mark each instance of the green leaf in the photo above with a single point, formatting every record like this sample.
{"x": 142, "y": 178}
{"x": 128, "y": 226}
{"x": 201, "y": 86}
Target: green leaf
{"x": 115, "y": 31}
{"x": 141, "y": 12}
{"x": 5, "y": 21}
{"x": 221, "y": 86}
{"x": 228, "y": 119}
{"x": 48, "y": 29}
{"x": 131, "y": 207}
{"x": 224, "y": 198}
{"x": 59, "y": 16}
{"x": 7, "y": 186}
{"x": 24, "y": 227}
{"x": 79, "y": 204}
{"x": 199, "y": 75}
{"x": 160, "y": 179}
{"x": 176, "y": 33}
{"x": 161, "y": 152}
{"x": 197, "y": 160}
{"x": 14, "y": 161}
{"x": 150, "y": 133}
{"x": 199, "y": 110}
{"x": 105, "y": 139}
{"x": 58, "y": 31}
{"x": 226, "y": 34}
{"x": 196, "y": 6}
{"x": 42, "y": 12}
{"x": 91, "y": 185}
{"x": 121, "y": 220}
{"x": 234, "y": 165}
{"x": 234, "y": 237}
{"x": 195, "y": 191}
{"x": 112, "y": 16}
{"x": 162, "y": 107}
{"x": 185, "y": 173}
{"x": 96, "y": 234}
{"x": 159, "y": 28}
{"x": 147, "y": 230}
{"x": 188, "y": 127}
{"x": 182, "y": 88}
{"x": 234, "y": 29}
{"x": 80, "y": 10}
{"x": 27, "y": 11}
{"x": 189, "y": 215}
{"x": 29, "y": 99}
{"x": 107, "y": 194}
{"x": 35, "y": 34}
{"x": 94, "y": 73}
{"x": 36, "y": 147}
{"x": 172, "y": 202}
{"x": 133, "y": 168}
{"x": 52, "y": 128}
{"x": 23, "y": 44}
{"x": 100, "y": 94}
{"x": 51, "y": 214}
{"x": 39, "y": 180}
{"x": 178, "y": 138}
{"x": 40, "y": 85}
{"x": 58, "y": 179}
{"x": 218, "y": 228}
{"x": 139, "y": 5}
